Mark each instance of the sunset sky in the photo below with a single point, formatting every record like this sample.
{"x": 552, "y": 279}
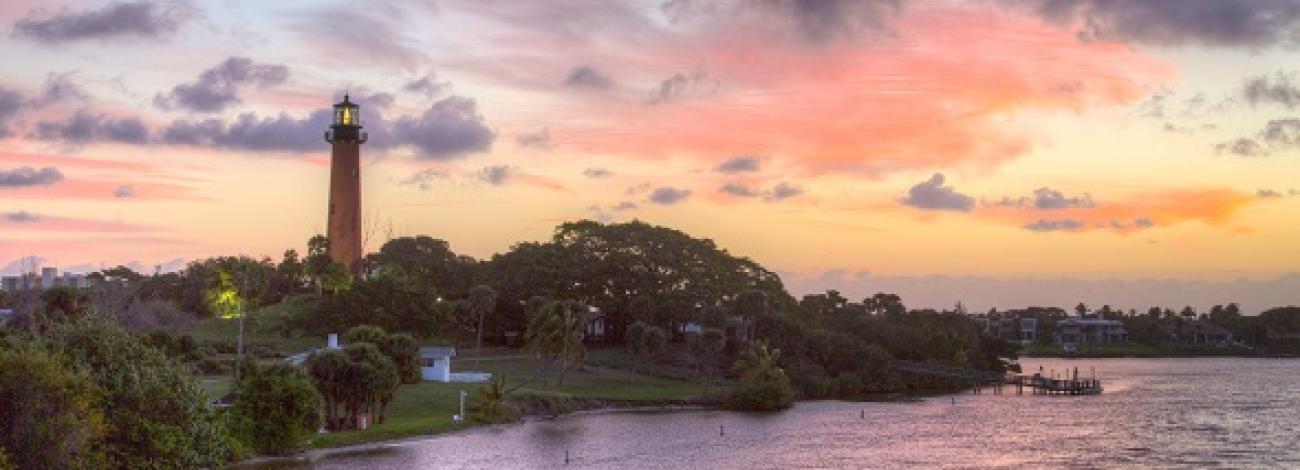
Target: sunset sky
{"x": 997, "y": 152}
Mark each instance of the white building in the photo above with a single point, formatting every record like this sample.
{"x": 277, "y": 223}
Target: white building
{"x": 435, "y": 364}
{"x": 48, "y": 278}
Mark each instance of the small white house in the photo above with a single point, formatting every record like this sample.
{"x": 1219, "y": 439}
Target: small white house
{"x": 435, "y": 364}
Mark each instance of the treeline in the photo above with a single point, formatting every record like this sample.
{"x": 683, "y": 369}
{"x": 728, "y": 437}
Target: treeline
{"x": 1276, "y": 328}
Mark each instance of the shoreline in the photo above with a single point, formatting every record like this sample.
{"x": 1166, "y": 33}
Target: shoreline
{"x": 608, "y": 407}
{"x": 312, "y": 455}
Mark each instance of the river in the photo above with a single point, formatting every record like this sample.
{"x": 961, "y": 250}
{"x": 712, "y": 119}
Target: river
{"x": 1155, "y": 413}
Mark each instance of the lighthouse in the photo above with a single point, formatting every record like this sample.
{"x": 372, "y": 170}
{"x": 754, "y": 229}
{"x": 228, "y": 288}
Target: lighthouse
{"x": 344, "y": 228}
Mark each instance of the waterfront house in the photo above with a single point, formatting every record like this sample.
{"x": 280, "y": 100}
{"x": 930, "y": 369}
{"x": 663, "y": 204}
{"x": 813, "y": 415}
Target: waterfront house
{"x": 1015, "y": 329}
{"x": 435, "y": 364}
{"x": 5, "y": 315}
{"x": 1081, "y": 330}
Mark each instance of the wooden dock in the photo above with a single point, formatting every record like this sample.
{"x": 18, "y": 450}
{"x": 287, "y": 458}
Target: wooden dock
{"x": 979, "y": 380}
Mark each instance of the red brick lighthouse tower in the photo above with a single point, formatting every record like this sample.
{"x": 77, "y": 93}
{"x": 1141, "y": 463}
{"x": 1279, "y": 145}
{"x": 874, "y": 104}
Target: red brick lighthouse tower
{"x": 344, "y": 230}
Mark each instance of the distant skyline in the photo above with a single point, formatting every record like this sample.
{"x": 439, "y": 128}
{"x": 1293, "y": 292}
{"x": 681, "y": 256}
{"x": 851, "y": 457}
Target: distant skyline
{"x": 1081, "y": 149}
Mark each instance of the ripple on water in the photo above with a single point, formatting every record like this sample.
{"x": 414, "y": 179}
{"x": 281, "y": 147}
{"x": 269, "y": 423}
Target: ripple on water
{"x": 1166, "y": 413}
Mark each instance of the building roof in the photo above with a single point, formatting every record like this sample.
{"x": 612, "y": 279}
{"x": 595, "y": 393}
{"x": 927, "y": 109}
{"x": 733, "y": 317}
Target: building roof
{"x": 437, "y": 352}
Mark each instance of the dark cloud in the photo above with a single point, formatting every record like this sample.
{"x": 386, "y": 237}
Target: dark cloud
{"x": 427, "y": 86}
{"x": 820, "y": 21}
{"x": 1268, "y": 194}
{"x": 1143, "y": 222}
{"x": 1277, "y": 135}
{"x": 1278, "y": 88}
{"x": 586, "y": 76}
{"x": 11, "y": 104}
{"x": 282, "y": 133}
{"x": 21, "y": 217}
{"x": 1044, "y": 225}
{"x": 27, "y": 176}
{"x": 1051, "y": 199}
{"x": 538, "y": 140}
{"x": 931, "y": 194}
{"x": 124, "y": 191}
{"x": 1248, "y": 23}
{"x": 218, "y": 87}
{"x": 778, "y": 193}
{"x": 496, "y": 175}
{"x": 737, "y": 189}
{"x": 85, "y": 127}
{"x": 624, "y": 206}
{"x": 783, "y": 191}
{"x": 59, "y": 87}
{"x": 1281, "y": 133}
{"x": 596, "y": 172}
{"x": 668, "y": 195}
{"x": 451, "y": 128}
{"x": 1241, "y": 147}
{"x": 145, "y": 19}
{"x": 741, "y": 164}
{"x": 680, "y": 86}
{"x": 424, "y": 179}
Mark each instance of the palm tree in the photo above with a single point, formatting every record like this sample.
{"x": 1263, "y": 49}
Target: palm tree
{"x": 759, "y": 364}
{"x": 482, "y": 302}
{"x": 556, "y": 331}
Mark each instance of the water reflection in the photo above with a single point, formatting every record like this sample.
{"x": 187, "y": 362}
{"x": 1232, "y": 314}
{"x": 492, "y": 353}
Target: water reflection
{"x": 1173, "y": 413}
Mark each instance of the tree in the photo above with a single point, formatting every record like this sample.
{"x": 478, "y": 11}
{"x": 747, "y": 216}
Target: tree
{"x": 654, "y": 341}
{"x": 277, "y": 409}
{"x": 365, "y": 334}
{"x": 482, "y": 302}
{"x": 324, "y": 272}
{"x": 328, "y": 371}
{"x": 556, "y": 332}
{"x": 707, "y": 347}
{"x": 225, "y": 301}
{"x": 156, "y": 416}
{"x": 405, "y": 353}
{"x": 764, "y": 385}
{"x": 49, "y": 415}
{"x": 491, "y": 406}
{"x": 1081, "y": 309}
{"x": 430, "y": 263}
{"x": 64, "y": 303}
{"x": 371, "y": 379}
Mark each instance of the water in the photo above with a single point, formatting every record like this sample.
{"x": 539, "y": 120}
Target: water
{"x": 1155, "y": 413}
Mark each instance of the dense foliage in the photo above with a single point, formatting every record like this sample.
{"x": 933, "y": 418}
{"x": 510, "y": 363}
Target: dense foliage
{"x": 277, "y": 409}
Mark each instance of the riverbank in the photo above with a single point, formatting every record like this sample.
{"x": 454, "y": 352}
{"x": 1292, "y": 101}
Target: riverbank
{"x": 1146, "y": 351}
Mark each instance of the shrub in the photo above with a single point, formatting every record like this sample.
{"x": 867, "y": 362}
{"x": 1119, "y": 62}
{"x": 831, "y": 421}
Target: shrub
{"x": 278, "y": 409}
{"x": 365, "y": 334}
{"x": 212, "y": 367}
{"x": 491, "y": 405}
{"x": 49, "y": 417}
{"x": 761, "y": 396}
{"x": 157, "y": 417}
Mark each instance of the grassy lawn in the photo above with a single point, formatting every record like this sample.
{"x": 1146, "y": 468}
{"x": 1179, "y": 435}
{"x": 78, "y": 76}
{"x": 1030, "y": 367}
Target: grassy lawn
{"x": 256, "y": 333}
{"x": 216, "y": 386}
{"x": 427, "y": 407}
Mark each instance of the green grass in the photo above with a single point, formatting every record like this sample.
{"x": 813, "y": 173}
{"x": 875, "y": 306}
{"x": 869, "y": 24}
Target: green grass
{"x": 426, "y": 408}
{"x": 216, "y": 386}
{"x": 258, "y": 331}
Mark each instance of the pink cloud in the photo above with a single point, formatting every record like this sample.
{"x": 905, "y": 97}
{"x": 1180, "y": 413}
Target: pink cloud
{"x": 931, "y": 95}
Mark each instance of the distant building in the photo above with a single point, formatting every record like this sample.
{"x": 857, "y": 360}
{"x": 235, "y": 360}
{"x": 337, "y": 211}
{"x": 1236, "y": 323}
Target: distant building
{"x": 1081, "y": 330}
{"x": 1198, "y": 332}
{"x": 435, "y": 364}
{"x": 48, "y": 278}
{"x": 5, "y": 315}
{"x": 1016, "y": 329}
